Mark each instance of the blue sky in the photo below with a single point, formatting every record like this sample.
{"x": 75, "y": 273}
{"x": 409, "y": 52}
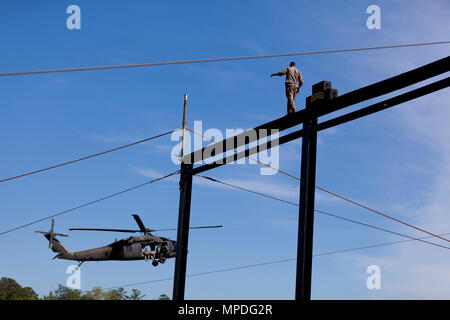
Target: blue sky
{"x": 395, "y": 161}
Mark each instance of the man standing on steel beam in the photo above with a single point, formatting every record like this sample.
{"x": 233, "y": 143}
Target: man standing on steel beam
{"x": 292, "y": 76}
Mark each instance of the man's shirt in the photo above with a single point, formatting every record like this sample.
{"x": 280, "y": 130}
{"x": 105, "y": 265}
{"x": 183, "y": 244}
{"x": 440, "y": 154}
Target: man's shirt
{"x": 292, "y": 75}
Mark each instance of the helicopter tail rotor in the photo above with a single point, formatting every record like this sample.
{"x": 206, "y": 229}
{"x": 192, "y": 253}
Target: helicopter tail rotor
{"x": 51, "y": 237}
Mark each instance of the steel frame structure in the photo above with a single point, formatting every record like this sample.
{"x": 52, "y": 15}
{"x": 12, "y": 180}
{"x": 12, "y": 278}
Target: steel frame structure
{"x": 309, "y": 118}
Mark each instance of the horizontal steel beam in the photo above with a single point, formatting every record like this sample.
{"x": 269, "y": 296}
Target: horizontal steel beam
{"x": 365, "y": 93}
{"x": 248, "y": 152}
{"x": 247, "y": 137}
{"x": 386, "y": 86}
{"x": 414, "y": 94}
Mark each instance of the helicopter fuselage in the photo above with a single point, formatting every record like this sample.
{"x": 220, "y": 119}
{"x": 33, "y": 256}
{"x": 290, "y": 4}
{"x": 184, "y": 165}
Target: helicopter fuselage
{"x": 147, "y": 247}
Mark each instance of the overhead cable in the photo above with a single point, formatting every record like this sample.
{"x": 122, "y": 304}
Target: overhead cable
{"x": 87, "y": 157}
{"x": 345, "y": 198}
{"x": 320, "y": 211}
{"x": 277, "y": 55}
{"x": 90, "y": 203}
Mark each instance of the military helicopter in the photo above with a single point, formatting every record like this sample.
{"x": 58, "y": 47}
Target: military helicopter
{"x": 146, "y": 247}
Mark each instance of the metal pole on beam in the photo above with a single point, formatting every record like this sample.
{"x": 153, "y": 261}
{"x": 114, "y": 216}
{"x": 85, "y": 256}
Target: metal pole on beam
{"x": 183, "y": 123}
{"x": 184, "y": 213}
{"x": 306, "y": 211}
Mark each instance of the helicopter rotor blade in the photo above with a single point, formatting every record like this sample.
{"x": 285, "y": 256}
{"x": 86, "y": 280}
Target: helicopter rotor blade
{"x": 131, "y": 231}
{"x": 140, "y": 224}
{"x": 97, "y": 229}
{"x": 55, "y": 234}
{"x": 172, "y": 229}
{"x": 61, "y": 234}
{"x": 50, "y": 242}
{"x": 206, "y": 227}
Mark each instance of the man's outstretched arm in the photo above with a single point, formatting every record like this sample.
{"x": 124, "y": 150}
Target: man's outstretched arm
{"x": 279, "y": 74}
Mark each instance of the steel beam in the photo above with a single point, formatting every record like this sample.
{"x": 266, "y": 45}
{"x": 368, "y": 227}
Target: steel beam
{"x": 414, "y": 94}
{"x": 365, "y": 93}
{"x": 248, "y": 152}
{"x": 184, "y": 213}
{"x": 236, "y": 141}
{"x": 306, "y": 211}
{"x": 386, "y": 86}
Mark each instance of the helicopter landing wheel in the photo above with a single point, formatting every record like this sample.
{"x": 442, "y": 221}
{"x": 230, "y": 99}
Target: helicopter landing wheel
{"x": 154, "y": 263}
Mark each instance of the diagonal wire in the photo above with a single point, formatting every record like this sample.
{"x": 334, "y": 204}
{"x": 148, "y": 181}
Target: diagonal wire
{"x": 289, "y": 259}
{"x": 374, "y": 246}
{"x": 207, "y": 272}
{"x": 345, "y": 198}
{"x": 153, "y": 64}
{"x": 382, "y": 214}
{"x": 89, "y": 203}
{"x": 270, "y": 262}
{"x": 320, "y": 211}
{"x": 88, "y": 157}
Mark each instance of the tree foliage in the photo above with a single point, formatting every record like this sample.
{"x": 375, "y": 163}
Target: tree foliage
{"x": 97, "y": 293}
{"x": 11, "y": 290}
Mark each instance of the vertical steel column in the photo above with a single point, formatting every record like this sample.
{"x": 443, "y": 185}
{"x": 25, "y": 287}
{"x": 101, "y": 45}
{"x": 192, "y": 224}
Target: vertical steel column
{"x": 306, "y": 211}
{"x": 184, "y": 213}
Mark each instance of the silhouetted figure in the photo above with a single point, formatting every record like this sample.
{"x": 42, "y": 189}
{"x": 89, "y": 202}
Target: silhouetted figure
{"x": 292, "y": 76}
